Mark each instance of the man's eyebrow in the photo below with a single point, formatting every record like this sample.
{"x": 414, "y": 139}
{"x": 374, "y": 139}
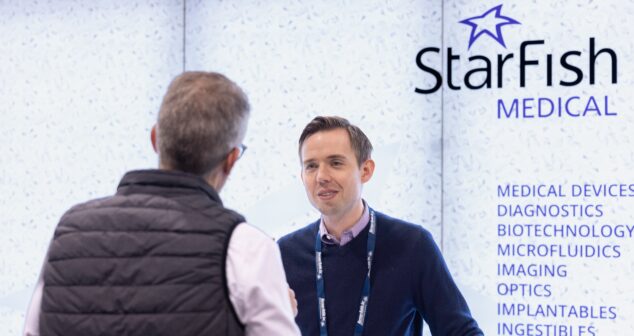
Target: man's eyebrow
{"x": 329, "y": 157}
{"x": 308, "y": 161}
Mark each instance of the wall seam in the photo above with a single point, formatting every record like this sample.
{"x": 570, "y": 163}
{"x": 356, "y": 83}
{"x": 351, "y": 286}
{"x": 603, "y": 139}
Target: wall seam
{"x": 442, "y": 131}
{"x": 184, "y": 35}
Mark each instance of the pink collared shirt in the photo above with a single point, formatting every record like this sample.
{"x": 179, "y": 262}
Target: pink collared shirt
{"x": 347, "y": 235}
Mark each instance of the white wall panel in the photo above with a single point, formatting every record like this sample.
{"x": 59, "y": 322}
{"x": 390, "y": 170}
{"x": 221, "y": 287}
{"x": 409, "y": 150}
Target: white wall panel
{"x": 80, "y": 85}
{"x": 297, "y": 60}
{"x": 483, "y": 151}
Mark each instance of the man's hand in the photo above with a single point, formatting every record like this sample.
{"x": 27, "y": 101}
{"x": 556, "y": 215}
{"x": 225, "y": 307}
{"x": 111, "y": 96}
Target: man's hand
{"x": 291, "y": 296}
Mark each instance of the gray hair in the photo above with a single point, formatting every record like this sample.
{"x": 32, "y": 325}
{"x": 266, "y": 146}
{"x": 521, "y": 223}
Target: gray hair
{"x": 202, "y": 117}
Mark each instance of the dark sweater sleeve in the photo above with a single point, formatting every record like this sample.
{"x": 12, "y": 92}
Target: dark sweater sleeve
{"x": 438, "y": 298}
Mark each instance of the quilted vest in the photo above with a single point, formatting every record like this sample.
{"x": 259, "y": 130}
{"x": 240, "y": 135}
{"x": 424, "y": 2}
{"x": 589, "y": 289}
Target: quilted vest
{"x": 149, "y": 260}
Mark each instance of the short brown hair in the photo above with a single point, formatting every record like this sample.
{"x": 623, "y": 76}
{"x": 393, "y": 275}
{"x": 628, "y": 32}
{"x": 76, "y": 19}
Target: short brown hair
{"x": 359, "y": 141}
{"x": 202, "y": 116}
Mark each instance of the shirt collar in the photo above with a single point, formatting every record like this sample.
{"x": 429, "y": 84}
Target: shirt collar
{"x": 347, "y": 235}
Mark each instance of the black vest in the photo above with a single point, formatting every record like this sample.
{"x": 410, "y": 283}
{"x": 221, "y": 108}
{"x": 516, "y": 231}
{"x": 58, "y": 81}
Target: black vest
{"x": 147, "y": 261}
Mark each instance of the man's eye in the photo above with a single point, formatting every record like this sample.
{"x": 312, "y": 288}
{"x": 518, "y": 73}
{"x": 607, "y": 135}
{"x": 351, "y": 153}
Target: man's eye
{"x": 337, "y": 163}
{"x": 310, "y": 166}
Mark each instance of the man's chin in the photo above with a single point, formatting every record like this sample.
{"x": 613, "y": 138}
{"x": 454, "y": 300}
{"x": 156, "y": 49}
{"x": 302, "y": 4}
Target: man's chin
{"x": 324, "y": 208}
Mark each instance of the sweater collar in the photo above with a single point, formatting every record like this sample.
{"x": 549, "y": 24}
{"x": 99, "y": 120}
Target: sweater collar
{"x": 348, "y": 235}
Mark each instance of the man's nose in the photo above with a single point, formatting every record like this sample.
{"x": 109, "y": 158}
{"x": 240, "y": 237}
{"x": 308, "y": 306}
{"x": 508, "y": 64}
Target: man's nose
{"x": 323, "y": 174}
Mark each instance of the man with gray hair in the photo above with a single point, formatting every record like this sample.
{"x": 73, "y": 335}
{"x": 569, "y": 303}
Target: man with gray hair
{"x": 163, "y": 256}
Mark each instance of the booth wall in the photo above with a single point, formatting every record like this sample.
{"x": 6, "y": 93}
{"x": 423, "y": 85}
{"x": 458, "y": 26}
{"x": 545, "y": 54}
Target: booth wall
{"x": 80, "y": 85}
{"x": 484, "y": 150}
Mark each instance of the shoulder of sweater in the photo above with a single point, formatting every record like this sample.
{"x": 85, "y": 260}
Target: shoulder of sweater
{"x": 399, "y": 224}
{"x": 300, "y": 236}
{"x": 400, "y": 228}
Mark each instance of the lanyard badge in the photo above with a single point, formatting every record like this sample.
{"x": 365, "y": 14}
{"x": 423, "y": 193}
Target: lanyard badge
{"x": 365, "y": 295}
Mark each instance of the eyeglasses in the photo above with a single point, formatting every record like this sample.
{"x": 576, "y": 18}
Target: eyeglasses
{"x": 241, "y": 148}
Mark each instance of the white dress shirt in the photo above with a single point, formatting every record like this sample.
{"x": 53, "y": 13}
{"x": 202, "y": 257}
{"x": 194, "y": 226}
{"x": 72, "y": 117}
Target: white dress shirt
{"x": 257, "y": 286}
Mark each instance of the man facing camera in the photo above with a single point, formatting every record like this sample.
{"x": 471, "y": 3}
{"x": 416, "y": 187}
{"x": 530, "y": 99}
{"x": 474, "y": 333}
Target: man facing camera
{"x": 357, "y": 271}
{"x": 163, "y": 256}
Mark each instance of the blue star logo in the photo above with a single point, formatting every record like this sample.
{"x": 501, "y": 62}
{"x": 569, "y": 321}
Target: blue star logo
{"x": 490, "y": 23}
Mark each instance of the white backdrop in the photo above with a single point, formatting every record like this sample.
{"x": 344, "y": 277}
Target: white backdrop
{"x": 297, "y": 61}
{"x": 81, "y": 83}
{"x": 482, "y": 152}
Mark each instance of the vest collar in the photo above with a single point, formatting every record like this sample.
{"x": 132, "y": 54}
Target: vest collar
{"x": 168, "y": 178}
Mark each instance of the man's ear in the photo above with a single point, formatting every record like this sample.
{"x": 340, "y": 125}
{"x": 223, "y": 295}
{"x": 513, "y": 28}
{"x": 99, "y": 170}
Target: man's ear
{"x": 153, "y": 138}
{"x": 230, "y": 161}
{"x": 301, "y": 170}
{"x": 367, "y": 169}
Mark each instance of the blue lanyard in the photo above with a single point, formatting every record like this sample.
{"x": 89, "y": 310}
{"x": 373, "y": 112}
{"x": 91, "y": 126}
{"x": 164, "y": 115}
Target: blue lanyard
{"x": 365, "y": 295}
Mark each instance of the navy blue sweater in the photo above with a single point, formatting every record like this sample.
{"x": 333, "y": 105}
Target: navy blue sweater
{"x": 409, "y": 281}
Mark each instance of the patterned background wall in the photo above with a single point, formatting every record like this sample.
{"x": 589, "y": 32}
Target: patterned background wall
{"x": 81, "y": 83}
{"x": 485, "y": 149}
{"x": 297, "y": 61}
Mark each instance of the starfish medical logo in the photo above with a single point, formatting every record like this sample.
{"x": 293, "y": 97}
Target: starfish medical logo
{"x": 490, "y": 23}
{"x": 532, "y": 63}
